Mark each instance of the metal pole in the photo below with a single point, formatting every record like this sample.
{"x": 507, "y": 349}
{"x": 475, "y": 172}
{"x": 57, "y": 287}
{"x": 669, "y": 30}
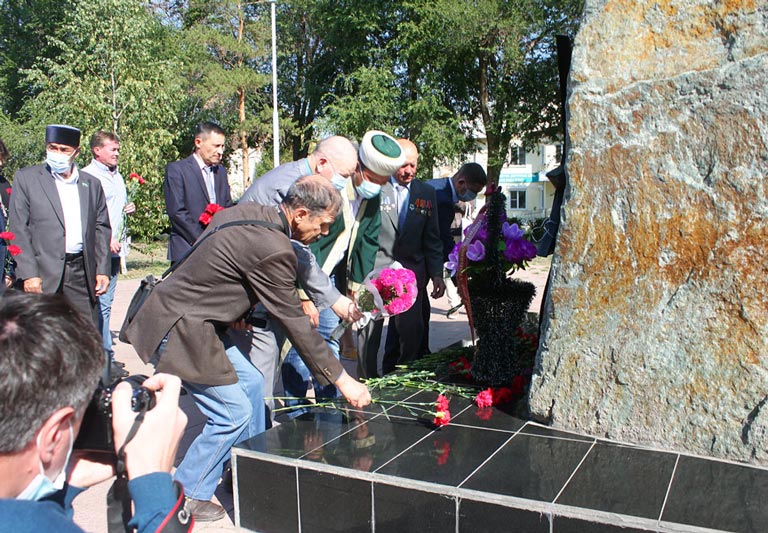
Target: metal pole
{"x": 275, "y": 119}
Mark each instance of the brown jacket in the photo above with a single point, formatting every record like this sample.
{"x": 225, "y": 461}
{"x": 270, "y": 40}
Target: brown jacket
{"x": 222, "y": 279}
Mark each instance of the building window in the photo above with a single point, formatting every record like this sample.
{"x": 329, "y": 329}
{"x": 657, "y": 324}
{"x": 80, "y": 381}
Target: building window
{"x": 517, "y": 199}
{"x": 518, "y": 155}
{"x": 558, "y": 153}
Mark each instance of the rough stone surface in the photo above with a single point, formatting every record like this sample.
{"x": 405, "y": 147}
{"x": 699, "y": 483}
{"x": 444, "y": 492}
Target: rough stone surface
{"x": 656, "y": 329}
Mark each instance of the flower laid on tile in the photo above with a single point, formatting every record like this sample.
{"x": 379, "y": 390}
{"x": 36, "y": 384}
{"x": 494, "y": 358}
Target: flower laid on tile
{"x": 437, "y": 413}
{"x": 207, "y": 215}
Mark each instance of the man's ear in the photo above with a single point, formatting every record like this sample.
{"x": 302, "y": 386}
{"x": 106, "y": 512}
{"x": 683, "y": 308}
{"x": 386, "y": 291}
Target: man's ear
{"x": 53, "y": 430}
{"x": 300, "y": 214}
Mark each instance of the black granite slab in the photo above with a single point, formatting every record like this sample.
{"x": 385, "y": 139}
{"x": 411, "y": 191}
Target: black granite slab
{"x": 562, "y": 524}
{"x": 718, "y": 495}
{"x": 481, "y": 517}
{"x": 530, "y": 467}
{"x": 401, "y": 510}
{"x": 447, "y": 456}
{"x": 621, "y": 479}
{"x": 333, "y": 502}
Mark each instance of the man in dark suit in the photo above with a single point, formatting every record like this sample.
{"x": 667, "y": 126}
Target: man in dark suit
{"x": 193, "y": 183}
{"x": 462, "y": 186}
{"x": 59, "y": 217}
{"x": 187, "y": 316}
{"x": 410, "y": 235}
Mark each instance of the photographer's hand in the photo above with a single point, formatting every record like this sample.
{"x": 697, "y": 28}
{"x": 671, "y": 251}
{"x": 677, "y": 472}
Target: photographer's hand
{"x": 86, "y": 469}
{"x": 154, "y": 447}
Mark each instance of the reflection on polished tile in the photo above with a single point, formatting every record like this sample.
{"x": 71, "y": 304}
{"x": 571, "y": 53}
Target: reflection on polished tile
{"x": 718, "y": 495}
{"x": 621, "y": 479}
{"x": 447, "y": 456}
{"x": 370, "y": 444}
{"x": 488, "y": 417}
{"x": 266, "y": 494}
{"x": 482, "y": 517}
{"x": 534, "y": 429}
{"x": 331, "y": 502}
{"x": 401, "y": 510}
{"x": 529, "y": 467}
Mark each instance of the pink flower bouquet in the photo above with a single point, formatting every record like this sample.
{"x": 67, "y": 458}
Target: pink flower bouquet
{"x": 385, "y": 292}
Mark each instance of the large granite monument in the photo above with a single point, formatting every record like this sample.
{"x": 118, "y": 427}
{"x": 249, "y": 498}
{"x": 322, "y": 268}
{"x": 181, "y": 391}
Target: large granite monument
{"x": 656, "y": 324}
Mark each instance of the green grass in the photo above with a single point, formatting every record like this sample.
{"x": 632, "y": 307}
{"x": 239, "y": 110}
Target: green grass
{"x": 145, "y": 259}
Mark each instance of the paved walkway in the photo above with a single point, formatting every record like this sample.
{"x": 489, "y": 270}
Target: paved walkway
{"x": 90, "y": 507}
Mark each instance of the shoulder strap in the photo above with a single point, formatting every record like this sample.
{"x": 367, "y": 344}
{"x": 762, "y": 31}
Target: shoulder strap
{"x": 262, "y": 223}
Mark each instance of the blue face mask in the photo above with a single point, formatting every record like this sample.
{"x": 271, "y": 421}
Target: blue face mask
{"x": 468, "y": 196}
{"x": 59, "y": 163}
{"x": 41, "y": 487}
{"x": 339, "y": 181}
{"x": 368, "y": 189}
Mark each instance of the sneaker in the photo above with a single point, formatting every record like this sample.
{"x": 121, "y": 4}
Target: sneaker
{"x": 204, "y": 511}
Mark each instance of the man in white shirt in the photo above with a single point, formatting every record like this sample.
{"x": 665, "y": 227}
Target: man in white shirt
{"x": 105, "y": 147}
{"x": 59, "y": 217}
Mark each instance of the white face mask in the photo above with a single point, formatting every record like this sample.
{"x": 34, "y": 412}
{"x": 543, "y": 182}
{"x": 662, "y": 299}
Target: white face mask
{"x": 368, "y": 189}
{"x": 339, "y": 181}
{"x": 59, "y": 163}
{"x": 41, "y": 487}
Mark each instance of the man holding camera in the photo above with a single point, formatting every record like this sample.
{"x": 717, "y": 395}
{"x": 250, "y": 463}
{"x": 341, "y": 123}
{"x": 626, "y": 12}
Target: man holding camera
{"x": 51, "y": 363}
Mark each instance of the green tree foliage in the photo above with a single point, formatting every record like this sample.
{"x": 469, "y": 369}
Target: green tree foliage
{"x": 227, "y": 45}
{"x": 491, "y": 62}
{"x": 115, "y": 72}
{"x": 320, "y": 44}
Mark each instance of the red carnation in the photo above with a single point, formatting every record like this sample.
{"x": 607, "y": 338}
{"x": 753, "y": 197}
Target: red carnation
{"x": 14, "y": 250}
{"x": 442, "y": 402}
{"x": 8, "y": 190}
{"x": 213, "y": 208}
{"x": 484, "y": 398}
{"x": 442, "y": 418}
{"x": 134, "y": 176}
{"x": 518, "y": 385}
{"x": 7, "y": 235}
{"x": 205, "y": 218}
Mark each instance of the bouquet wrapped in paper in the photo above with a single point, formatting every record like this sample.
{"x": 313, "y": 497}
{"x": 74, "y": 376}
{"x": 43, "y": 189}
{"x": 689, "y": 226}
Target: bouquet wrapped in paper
{"x": 385, "y": 292}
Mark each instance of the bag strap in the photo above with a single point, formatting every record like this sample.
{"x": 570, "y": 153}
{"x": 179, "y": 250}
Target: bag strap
{"x": 261, "y": 223}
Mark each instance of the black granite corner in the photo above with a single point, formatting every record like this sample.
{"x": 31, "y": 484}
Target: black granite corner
{"x": 621, "y": 479}
{"x": 562, "y": 524}
{"x": 718, "y": 495}
{"x": 266, "y": 495}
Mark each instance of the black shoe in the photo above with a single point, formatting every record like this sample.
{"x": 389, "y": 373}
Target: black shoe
{"x": 118, "y": 363}
{"x": 204, "y": 511}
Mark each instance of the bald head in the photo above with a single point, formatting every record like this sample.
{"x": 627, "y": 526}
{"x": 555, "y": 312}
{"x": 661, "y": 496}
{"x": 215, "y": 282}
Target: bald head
{"x": 335, "y": 154}
{"x": 406, "y": 173}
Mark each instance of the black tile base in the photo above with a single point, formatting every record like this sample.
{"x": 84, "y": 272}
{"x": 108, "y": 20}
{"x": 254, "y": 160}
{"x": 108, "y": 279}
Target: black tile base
{"x": 375, "y": 471}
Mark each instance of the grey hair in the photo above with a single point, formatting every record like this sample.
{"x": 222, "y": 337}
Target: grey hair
{"x": 316, "y": 194}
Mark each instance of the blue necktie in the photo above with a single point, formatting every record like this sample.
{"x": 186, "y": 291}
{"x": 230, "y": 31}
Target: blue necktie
{"x": 402, "y": 205}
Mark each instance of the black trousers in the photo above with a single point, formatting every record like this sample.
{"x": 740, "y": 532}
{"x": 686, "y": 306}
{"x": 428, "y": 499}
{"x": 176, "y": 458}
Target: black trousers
{"x": 74, "y": 286}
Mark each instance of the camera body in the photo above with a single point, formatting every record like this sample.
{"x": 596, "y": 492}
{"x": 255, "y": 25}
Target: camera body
{"x": 96, "y": 429}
